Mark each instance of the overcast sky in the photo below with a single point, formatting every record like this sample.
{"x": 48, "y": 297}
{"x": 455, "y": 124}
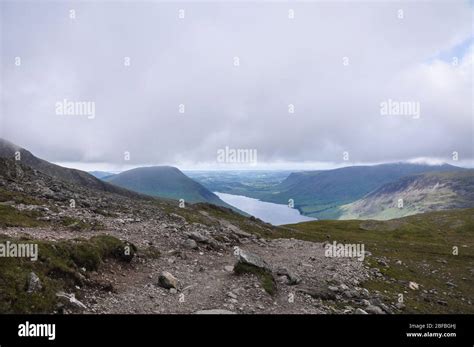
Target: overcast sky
{"x": 336, "y": 62}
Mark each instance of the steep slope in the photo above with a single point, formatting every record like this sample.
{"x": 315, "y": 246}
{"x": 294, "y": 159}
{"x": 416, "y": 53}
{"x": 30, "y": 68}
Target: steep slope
{"x": 418, "y": 194}
{"x": 165, "y": 182}
{"x": 9, "y": 150}
{"x": 321, "y": 193}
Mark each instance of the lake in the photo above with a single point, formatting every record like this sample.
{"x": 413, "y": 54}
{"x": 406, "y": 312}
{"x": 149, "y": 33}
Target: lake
{"x": 275, "y": 214}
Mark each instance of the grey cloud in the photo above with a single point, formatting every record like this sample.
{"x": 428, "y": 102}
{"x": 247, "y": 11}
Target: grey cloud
{"x": 282, "y": 61}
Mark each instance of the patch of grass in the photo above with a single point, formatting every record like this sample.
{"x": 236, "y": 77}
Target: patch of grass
{"x": 79, "y": 225}
{"x": 18, "y": 197}
{"x": 423, "y": 243}
{"x": 11, "y": 217}
{"x": 58, "y": 267}
{"x": 150, "y": 252}
{"x": 90, "y": 253}
{"x": 266, "y": 278}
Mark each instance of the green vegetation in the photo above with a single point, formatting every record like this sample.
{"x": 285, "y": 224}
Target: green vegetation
{"x": 423, "y": 243}
{"x": 58, "y": 267}
{"x": 11, "y": 217}
{"x": 79, "y": 225}
{"x": 150, "y": 252}
{"x": 266, "y": 279}
{"x": 17, "y": 197}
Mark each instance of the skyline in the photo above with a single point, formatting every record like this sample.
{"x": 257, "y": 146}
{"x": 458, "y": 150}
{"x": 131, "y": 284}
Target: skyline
{"x": 110, "y": 85}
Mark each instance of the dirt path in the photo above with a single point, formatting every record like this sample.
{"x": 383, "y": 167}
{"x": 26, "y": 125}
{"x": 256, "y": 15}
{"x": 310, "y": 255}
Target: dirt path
{"x": 325, "y": 285}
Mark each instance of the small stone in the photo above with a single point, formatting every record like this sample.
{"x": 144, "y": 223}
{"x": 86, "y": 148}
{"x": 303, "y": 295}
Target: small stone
{"x": 248, "y": 258}
{"x": 360, "y": 311}
{"x": 229, "y": 268}
{"x": 71, "y": 300}
{"x": 343, "y": 287}
{"x": 214, "y": 311}
{"x": 34, "y": 283}
{"x": 167, "y": 280}
{"x": 400, "y": 305}
{"x": 191, "y": 244}
{"x": 374, "y": 309}
{"x": 292, "y": 278}
{"x": 231, "y": 295}
{"x": 198, "y": 237}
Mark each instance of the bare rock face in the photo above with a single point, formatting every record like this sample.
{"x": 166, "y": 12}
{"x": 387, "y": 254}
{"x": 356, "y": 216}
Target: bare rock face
{"x": 167, "y": 280}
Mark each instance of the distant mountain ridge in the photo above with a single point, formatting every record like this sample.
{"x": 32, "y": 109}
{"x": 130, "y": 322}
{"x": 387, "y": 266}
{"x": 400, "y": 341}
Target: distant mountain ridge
{"x": 434, "y": 191}
{"x": 319, "y": 193}
{"x": 101, "y": 174}
{"x": 351, "y": 192}
{"x": 166, "y": 182}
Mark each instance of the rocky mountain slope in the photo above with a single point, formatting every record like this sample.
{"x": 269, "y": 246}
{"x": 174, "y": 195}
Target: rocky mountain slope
{"x": 9, "y": 150}
{"x": 418, "y": 194}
